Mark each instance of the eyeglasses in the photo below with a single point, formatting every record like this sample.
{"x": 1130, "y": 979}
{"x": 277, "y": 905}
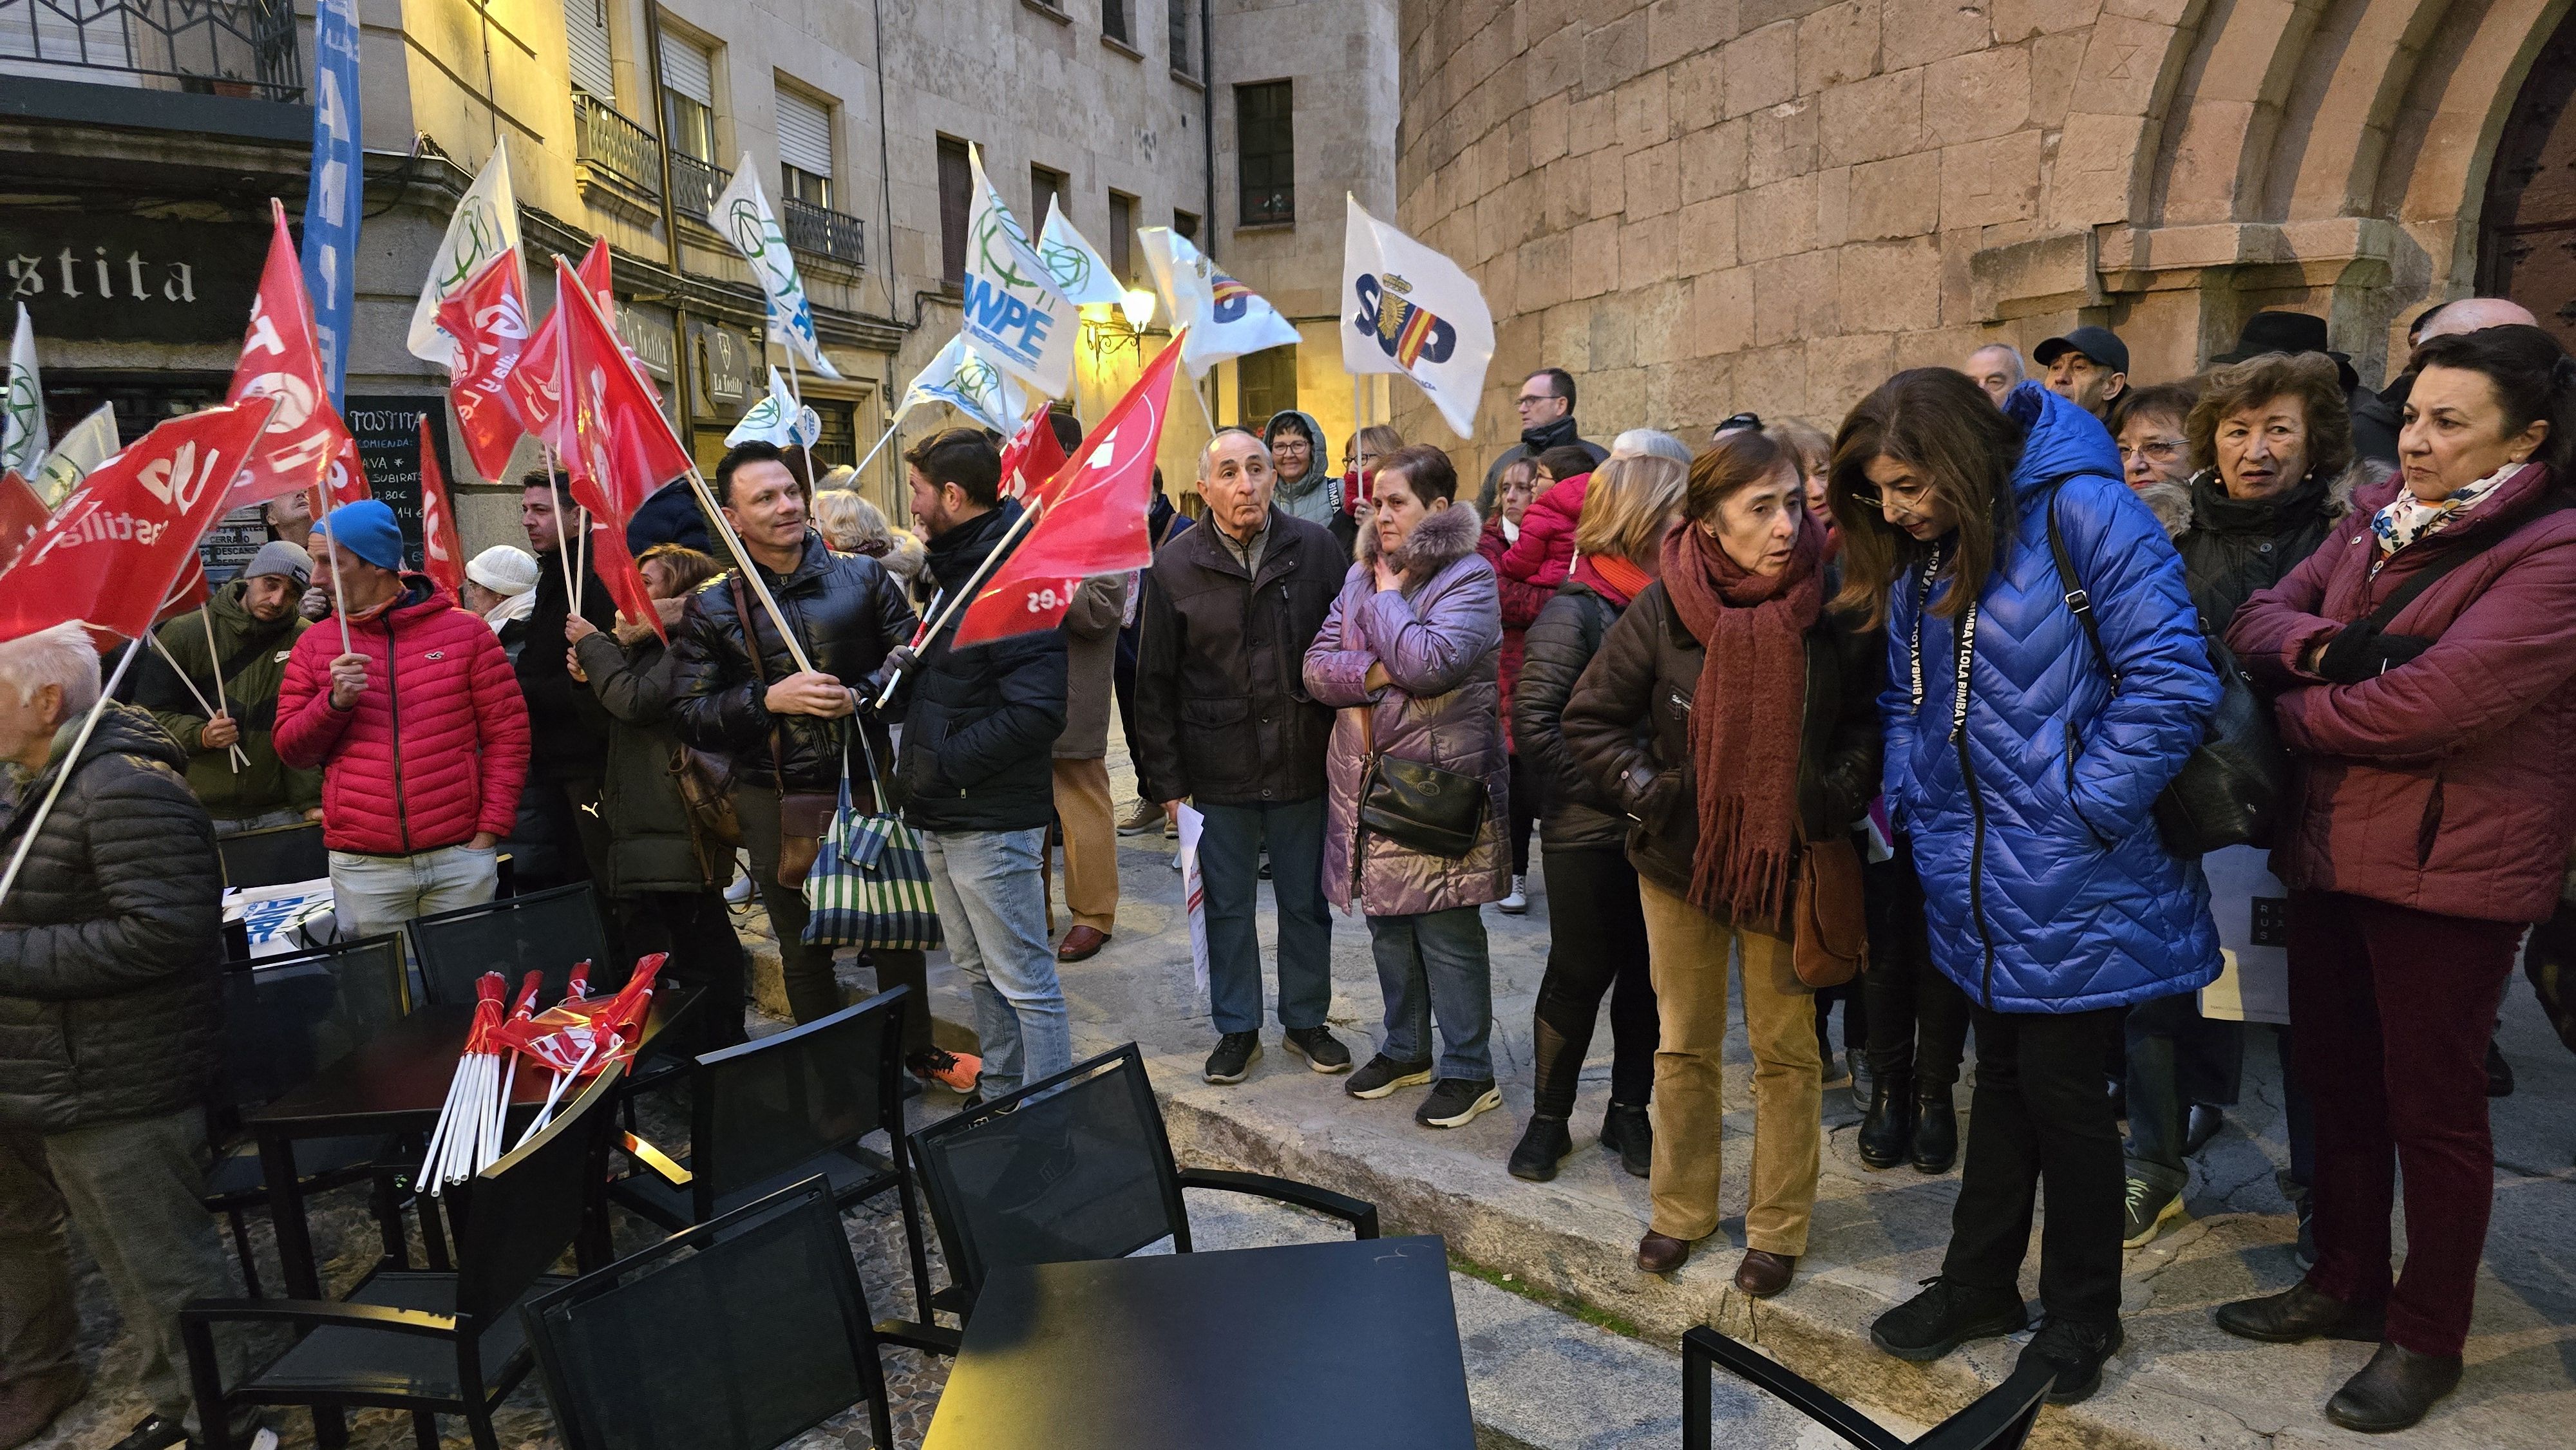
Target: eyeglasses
{"x": 1908, "y": 500}
{"x": 1532, "y": 400}
{"x": 2161, "y": 450}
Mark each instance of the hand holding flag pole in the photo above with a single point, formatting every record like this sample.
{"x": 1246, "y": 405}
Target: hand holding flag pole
{"x": 238, "y": 759}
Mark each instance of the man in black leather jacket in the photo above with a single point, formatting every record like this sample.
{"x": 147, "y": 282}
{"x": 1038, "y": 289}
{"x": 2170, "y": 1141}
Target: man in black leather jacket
{"x": 787, "y": 731}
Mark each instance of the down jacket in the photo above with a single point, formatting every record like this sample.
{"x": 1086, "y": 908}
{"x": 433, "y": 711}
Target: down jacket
{"x": 651, "y": 843}
{"x": 1544, "y": 553}
{"x": 1521, "y": 603}
{"x": 2234, "y": 548}
{"x": 2046, "y": 886}
{"x": 436, "y": 747}
{"x": 111, "y": 938}
{"x": 1440, "y": 637}
{"x": 255, "y": 656}
{"x": 1569, "y": 631}
{"x": 2447, "y": 784}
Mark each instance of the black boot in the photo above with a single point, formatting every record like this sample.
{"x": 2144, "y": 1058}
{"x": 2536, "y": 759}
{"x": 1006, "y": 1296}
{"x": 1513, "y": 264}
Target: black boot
{"x": 1887, "y": 1129}
{"x": 1936, "y": 1130}
{"x": 1627, "y": 1128}
{"x": 1543, "y": 1145}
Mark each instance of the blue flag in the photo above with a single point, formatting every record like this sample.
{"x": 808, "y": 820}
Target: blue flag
{"x": 333, "y": 198}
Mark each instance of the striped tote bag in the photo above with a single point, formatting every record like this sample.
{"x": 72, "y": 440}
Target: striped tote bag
{"x": 870, "y": 883}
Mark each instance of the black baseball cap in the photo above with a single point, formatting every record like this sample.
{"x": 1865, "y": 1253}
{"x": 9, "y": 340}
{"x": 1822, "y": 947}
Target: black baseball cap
{"x": 2098, "y": 343}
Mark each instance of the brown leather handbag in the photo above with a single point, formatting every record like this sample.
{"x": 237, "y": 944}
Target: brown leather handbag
{"x": 705, "y": 783}
{"x": 1828, "y": 929}
{"x": 803, "y": 815}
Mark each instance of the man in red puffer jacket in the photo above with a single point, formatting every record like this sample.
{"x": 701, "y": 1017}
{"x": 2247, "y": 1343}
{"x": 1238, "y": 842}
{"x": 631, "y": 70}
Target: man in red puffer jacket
{"x": 419, "y": 729}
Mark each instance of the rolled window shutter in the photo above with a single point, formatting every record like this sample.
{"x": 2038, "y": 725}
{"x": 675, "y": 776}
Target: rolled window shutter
{"x": 586, "y": 31}
{"x": 688, "y": 70}
{"x": 804, "y": 135}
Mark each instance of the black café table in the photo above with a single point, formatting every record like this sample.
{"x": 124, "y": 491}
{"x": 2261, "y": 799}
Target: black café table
{"x": 1237, "y": 1347}
{"x": 395, "y": 1083}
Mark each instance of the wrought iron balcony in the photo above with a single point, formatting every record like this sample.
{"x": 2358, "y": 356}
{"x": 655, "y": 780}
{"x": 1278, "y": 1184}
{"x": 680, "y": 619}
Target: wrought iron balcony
{"x": 610, "y": 144}
{"x": 208, "y": 47}
{"x": 823, "y": 232}
{"x": 695, "y": 185}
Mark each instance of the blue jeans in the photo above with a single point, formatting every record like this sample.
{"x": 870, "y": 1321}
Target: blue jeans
{"x": 374, "y": 895}
{"x": 2176, "y": 1058}
{"x": 1434, "y": 964}
{"x": 1229, "y": 868}
{"x": 992, "y": 910}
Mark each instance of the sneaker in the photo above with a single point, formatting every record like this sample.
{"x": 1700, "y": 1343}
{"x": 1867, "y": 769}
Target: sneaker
{"x": 1945, "y": 1316}
{"x": 2078, "y": 1350}
{"x": 738, "y": 890}
{"x": 2151, "y": 1207}
{"x": 955, "y": 1071}
{"x": 1146, "y": 817}
{"x": 1235, "y": 1054}
{"x": 1518, "y": 902}
{"x": 1456, "y": 1101}
{"x": 1384, "y": 1075}
{"x": 1322, "y": 1050}
{"x": 1543, "y": 1145}
{"x": 1629, "y": 1131}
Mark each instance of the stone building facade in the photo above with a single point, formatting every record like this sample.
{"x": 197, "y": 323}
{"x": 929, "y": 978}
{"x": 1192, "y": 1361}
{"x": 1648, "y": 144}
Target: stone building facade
{"x": 1700, "y": 206}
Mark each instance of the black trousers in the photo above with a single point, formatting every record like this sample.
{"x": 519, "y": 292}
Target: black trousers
{"x": 1596, "y": 946}
{"x": 1523, "y": 815}
{"x": 1917, "y": 1020}
{"x": 2041, "y": 1114}
{"x": 813, "y": 988}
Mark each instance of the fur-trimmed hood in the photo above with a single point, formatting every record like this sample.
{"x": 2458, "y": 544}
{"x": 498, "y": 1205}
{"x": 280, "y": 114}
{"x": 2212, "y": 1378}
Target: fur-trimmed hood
{"x": 1444, "y": 537}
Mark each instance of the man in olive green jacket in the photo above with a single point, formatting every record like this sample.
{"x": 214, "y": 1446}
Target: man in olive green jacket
{"x": 255, "y": 626}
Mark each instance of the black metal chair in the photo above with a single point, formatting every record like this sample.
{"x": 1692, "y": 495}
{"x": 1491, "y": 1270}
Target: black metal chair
{"x": 543, "y": 931}
{"x": 787, "y": 1107}
{"x": 285, "y": 1020}
{"x": 1075, "y": 1167}
{"x": 428, "y": 1342}
{"x": 748, "y": 1330}
{"x": 274, "y": 856}
{"x": 2000, "y": 1419}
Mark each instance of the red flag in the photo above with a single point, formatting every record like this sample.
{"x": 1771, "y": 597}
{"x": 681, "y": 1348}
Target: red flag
{"x": 188, "y": 592}
{"x": 1032, "y": 456}
{"x": 1091, "y": 519}
{"x": 619, "y": 574}
{"x": 347, "y": 480}
{"x": 113, "y": 550}
{"x": 442, "y": 557}
{"x": 622, "y": 449}
{"x": 281, "y": 359}
{"x": 535, "y": 386}
{"x": 22, "y": 512}
{"x": 488, "y": 317}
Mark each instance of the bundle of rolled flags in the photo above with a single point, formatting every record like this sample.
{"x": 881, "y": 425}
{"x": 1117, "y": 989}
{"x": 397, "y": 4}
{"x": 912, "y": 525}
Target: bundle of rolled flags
{"x": 573, "y": 1039}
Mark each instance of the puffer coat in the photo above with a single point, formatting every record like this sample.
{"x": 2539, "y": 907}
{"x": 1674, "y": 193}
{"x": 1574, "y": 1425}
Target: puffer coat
{"x": 1568, "y": 633}
{"x": 651, "y": 845}
{"x": 2446, "y": 784}
{"x": 255, "y": 655}
{"x": 111, "y": 938}
{"x": 2234, "y": 548}
{"x": 435, "y": 749}
{"x": 1440, "y": 637}
{"x": 2046, "y": 886}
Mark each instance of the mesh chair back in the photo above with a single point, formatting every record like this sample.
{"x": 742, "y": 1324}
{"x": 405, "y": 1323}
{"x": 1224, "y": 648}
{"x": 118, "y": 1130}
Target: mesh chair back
{"x": 1074, "y": 1167}
{"x": 767, "y": 1108}
{"x": 274, "y": 856}
{"x": 526, "y": 1209}
{"x": 736, "y": 1335}
{"x": 546, "y": 931}
{"x": 287, "y": 1018}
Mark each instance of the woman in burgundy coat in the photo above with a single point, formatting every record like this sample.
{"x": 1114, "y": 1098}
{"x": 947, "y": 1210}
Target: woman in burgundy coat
{"x": 2435, "y": 746}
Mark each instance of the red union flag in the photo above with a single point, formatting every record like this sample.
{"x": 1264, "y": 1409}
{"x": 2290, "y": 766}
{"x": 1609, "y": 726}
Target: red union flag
{"x": 624, "y": 581}
{"x": 535, "y": 384}
{"x": 442, "y": 558}
{"x": 280, "y": 359}
{"x": 188, "y": 593}
{"x": 114, "y": 550}
{"x": 1091, "y": 519}
{"x": 1033, "y": 455}
{"x": 22, "y": 512}
{"x": 488, "y": 318}
{"x": 621, "y": 449}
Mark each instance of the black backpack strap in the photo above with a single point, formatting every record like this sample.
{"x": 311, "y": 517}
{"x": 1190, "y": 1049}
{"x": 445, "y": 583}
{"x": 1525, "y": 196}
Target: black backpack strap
{"x": 2078, "y": 603}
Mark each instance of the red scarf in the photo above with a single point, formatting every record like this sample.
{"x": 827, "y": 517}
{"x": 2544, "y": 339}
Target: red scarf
{"x": 1614, "y": 578}
{"x": 1746, "y": 713}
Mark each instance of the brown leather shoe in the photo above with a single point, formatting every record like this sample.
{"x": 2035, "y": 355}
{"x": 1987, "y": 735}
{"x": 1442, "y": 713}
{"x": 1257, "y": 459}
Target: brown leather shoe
{"x": 1081, "y": 944}
{"x": 1763, "y": 1274}
{"x": 1662, "y": 1253}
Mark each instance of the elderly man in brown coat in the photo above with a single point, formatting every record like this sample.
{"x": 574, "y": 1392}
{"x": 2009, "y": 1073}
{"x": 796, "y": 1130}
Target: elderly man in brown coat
{"x": 1082, "y": 801}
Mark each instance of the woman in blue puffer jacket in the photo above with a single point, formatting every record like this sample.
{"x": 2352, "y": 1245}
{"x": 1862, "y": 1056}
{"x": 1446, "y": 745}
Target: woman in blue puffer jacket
{"x": 2028, "y": 790}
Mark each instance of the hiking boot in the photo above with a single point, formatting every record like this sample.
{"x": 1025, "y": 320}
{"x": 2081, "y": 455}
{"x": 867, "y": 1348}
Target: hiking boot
{"x": 2394, "y": 1390}
{"x": 2300, "y": 1313}
{"x": 1945, "y": 1316}
{"x": 1457, "y": 1101}
{"x": 1384, "y": 1074}
{"x": 1322, "y": 1050}
{"x": 1936, "y": 1130}
{"x": 1146, "y": 817}
{"x": 1543, "y": 1145}
{"x": 1887, "y": 1127}
{"x": 1235, "y": 1054}
{"x": 2151, "y": 1207}
{"x": 1630, "y": 1131}
{"x": 1518, "y": 902}
{"x": 2078, "y": 1350}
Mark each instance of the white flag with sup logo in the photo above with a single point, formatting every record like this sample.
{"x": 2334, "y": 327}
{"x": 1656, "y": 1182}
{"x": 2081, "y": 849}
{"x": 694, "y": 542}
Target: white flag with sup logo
{"x": 1224, "y": 319}
{"x": 1407, "y": 309}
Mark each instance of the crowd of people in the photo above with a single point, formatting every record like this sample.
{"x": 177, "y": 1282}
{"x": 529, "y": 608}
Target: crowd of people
{"x": 1923, "y": 681}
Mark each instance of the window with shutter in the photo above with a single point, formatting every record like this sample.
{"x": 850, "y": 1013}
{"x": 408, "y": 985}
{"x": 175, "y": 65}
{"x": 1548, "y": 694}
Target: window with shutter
{"x": 586, "y": 34}
{"x": 956, "y": 185}
{"x": 688, "y": 69}
{"x": 805, "y": 148}
{"x": 689, "y": 107}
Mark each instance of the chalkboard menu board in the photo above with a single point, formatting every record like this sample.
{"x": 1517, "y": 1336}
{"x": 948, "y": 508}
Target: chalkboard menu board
{"x": 229, "y": 545}
{"x": 388, "y": 432}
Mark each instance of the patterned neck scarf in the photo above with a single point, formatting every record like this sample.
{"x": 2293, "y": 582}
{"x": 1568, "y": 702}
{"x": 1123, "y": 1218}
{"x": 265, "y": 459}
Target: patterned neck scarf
{"x": 2407, "y": 519}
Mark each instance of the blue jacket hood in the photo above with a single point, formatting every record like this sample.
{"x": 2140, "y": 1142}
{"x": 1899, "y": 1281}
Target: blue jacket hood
{"x": 2063, "y": 440}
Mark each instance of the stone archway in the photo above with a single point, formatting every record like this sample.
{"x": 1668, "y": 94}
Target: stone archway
{"x": 2527, "y": 230}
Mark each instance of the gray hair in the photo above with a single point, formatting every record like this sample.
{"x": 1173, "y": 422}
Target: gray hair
{"x": 1223, "y": 434}
{"x": 850, "y": 523}
{"x": 2002, "y": 347}
{"x": 1650, "y": 443}
{"x": 61, "y": 656}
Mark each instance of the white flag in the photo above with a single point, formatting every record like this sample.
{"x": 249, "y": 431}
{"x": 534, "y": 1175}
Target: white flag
{"x": 776, "y": 419}
{"x": 964, "y": 379}
{"x": 485, "y": 225}
{"x": 1015, "y": 314}
{"x": 742, "y": 214}
{"x": 22, "y": 429}
{"x": 91, "y": 442}
{"x": 1078, "y": 271}
{"x": 1409, "y": 310}
{"x": 1223, "y": 316}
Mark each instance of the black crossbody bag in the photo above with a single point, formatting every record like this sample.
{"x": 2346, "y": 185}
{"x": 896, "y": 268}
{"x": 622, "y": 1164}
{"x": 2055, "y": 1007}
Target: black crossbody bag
{"x": 1418, "y": 806}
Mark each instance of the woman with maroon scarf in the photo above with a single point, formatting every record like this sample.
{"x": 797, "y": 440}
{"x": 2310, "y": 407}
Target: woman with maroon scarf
{"x": 1733, "y": 719}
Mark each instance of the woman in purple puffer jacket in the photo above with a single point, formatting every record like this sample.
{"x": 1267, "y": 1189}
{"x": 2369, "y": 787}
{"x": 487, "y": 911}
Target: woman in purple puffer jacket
{"x": 1412, "y": 651}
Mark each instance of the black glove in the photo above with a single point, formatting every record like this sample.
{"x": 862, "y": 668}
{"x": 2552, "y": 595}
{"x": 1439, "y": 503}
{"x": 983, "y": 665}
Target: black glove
{"x": 2360, "y": 652}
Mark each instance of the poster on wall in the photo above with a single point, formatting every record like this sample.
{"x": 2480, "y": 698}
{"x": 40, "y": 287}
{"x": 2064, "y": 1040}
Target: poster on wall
{"x": 388, "y": 431}
{"x": 229, "y": 546}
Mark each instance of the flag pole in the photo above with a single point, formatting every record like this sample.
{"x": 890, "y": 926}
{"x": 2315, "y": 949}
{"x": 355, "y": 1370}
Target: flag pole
{"x": 1002, "y": 546}
{"x": 339, "y": 599}
{"x": 71, "y": 761}
{"x": 882, "y": 440}
{"x": 167, "y": 658}
{"x": 796, "y": 398}
{"x": 563, "y": 543}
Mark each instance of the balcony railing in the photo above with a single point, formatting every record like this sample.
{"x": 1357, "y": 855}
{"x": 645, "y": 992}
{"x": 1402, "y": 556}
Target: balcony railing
{"x": 823, "y": 232}
{"x": 609, "y": 143}
{"x": 209, "y": 47}
{"x": 695, "y": 185}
